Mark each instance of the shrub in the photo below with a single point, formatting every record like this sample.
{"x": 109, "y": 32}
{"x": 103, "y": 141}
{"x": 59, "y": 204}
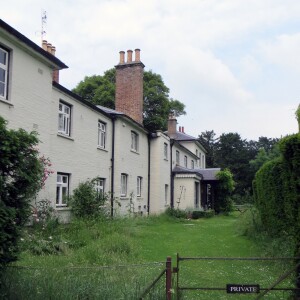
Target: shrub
{"x": 197, "y": 214}
{"x": 176, "y": 213}
{"x": 86, "y": 202}
{"x": 21, "y": 177}
{"x": 224, "y": 189}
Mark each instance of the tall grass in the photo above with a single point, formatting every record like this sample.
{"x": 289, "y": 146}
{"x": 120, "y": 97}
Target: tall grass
{"x": 118, "y": 259}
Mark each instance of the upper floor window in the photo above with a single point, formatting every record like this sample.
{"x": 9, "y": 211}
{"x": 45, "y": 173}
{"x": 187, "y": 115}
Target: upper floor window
{"x": 124, "y": 184}
{"x": 177, "y": 157}
{"x": 165, "y": 151}
{"x": 139, "y": 186}
{"x": 3, "y": 73}
{"x": 192, "y": 164}
{"x": 185, "y": 161}
{"x": 101, "y": 135}
{"x": 64, "y": 118}
{"x": 134, "y": 141}
{"x": 62, "y": 189}
{"x": 197, "y": 152}
{"x": 203, "y": 161}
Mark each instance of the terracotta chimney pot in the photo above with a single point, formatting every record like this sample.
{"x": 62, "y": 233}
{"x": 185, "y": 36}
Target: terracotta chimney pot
{"x": 49, "y": 46}
{"x": 122, "y": 57}
{"x": 129, "y": 56}
{"x": 53, "y": 50}
{"x": 44, "y": 45}
{"x": 137, "y": 55}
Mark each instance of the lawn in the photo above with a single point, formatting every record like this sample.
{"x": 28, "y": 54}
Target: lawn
{"x": 118, "y": 259}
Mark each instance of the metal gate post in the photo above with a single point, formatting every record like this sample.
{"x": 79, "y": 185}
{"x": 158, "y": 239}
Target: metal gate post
{"x": 169, "y": 278}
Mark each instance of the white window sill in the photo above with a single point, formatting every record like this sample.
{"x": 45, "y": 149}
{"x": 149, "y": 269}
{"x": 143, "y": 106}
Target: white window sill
{"x": 136, "y": 152}
{"x": 65, "y": 136}
{"x": 6, "y": 102}
{"x": 102, "y": 149}
{"x": 124, "y": 198}
{"x": 62, "y": 207}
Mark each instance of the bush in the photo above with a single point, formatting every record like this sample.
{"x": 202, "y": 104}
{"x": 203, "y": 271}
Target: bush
{"x": 224, "y": 189}
{"x": 197, "y": 214}
{"x": 86, "y": 202}
{"x": 176, "y": 213}
{"x": 21, "y": 177}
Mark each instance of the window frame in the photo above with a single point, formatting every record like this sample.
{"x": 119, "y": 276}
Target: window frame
{"x": 5, "y": 68}
{"x": 165, "y": 151}
{"x": 66, "y": 118}
{"x": 185, "y": 161}
{"x": 177, "y": 157}
{"x": 124, "y": 183}
{"x": 59, "y": 202}
{"x": 100, "y": 187}
{"x": 134, "y": 141}
{"x": 101, "y": 135}
{"x": 166, "y": 194}
{"x": 139, "y": 183}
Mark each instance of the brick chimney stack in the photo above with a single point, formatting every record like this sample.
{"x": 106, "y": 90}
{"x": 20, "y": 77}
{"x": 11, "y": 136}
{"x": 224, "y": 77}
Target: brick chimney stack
{"x": 51, "y": 49}
{"x": 172, "y": 126}
{"x": 129, "y": 85}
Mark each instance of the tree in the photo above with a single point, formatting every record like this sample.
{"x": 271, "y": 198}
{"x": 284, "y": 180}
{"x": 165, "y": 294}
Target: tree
{"x": 208, "y": 141}
{"x": 100, "y": 90}
{"x": 21, "y": 177}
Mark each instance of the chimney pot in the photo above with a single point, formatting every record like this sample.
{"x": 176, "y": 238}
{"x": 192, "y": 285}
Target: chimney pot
{"x": 179, "y": 128}
{"x": 129, "y": 56}
{"x": 53, "y": 50}
{"x": 137, "y": 55}
{"x": 182, "y": 129}
{"x": 44, "y": 45}
{"x": 49, "y": 46}
{"x": 122, "y": 57}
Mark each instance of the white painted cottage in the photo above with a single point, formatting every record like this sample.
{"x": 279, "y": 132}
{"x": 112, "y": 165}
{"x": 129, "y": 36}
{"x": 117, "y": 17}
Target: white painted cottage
{"x": 146, "y": 172}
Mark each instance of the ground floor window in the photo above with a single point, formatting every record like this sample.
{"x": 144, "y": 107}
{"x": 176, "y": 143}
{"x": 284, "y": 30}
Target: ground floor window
{"x": 124, "y": 184}
{"x": 100, "y": 187}
{"x": 62, "y": 189}
{"x": 139, "y": 186}
{"x": 166, "y": 194}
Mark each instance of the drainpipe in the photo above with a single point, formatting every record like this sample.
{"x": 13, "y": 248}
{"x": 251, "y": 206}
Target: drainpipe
{"x": 112, "y": 169}
{"x": 171, "y": 175}
{"x": 149, "y": 176}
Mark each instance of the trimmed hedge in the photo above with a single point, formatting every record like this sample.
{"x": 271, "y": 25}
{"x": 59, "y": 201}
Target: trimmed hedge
{"x": 277, "y": 191}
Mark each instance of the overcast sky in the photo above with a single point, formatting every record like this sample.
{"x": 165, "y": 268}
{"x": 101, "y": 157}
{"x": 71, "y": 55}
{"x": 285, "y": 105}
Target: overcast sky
{"x": 235, "y": 64}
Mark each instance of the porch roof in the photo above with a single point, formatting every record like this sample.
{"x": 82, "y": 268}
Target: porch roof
{"x": 205, "y": 174}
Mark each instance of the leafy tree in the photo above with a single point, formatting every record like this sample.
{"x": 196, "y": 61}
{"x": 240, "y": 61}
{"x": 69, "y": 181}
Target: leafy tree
{"x": 225, "y": 188}
{"x": 100, "y": 90}
{"x": 208, "y": 140}
{"x": 21, "y": 177}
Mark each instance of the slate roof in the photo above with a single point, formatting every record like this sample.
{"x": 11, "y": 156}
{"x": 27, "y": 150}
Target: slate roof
{"x": 205, "y": 174}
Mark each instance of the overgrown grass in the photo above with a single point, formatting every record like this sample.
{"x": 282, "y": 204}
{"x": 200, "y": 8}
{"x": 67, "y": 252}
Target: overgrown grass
{"x": 117, "y": 259}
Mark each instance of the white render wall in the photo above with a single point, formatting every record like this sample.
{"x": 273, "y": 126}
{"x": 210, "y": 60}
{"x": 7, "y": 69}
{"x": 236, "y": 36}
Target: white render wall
{"x": 184, "y": 192}
{"x": 194, "y": 148}
{"x": 160, "y": 174}
{"x": 133, "y": 164}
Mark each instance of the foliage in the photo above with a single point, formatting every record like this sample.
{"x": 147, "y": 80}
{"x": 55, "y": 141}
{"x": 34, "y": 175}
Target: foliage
{"x": 225, "y": 188}
{"x": 21, "y": 177}
{"x": 243, "y": 158}
{"x": 277, "y": 192}
{"x": 100, "y": 90}
{"x": 176, "y": 213}
{"x": 86, "y": 201}
{"x": 197, "y": 214}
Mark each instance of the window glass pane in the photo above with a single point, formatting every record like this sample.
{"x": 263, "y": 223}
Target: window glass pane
{"x": 58, "y": 178}
{"x": 65, "y": 179}
{"x": 2, "y": 88}
{"x": 2, "y": 75}
{"x": 57, "y": 194}
{"x": 64, "y": 195}
{"x": 3, "y": 56}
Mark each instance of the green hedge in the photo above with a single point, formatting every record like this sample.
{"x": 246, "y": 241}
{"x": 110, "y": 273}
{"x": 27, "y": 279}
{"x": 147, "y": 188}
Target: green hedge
{"x": 277, "y": 190}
